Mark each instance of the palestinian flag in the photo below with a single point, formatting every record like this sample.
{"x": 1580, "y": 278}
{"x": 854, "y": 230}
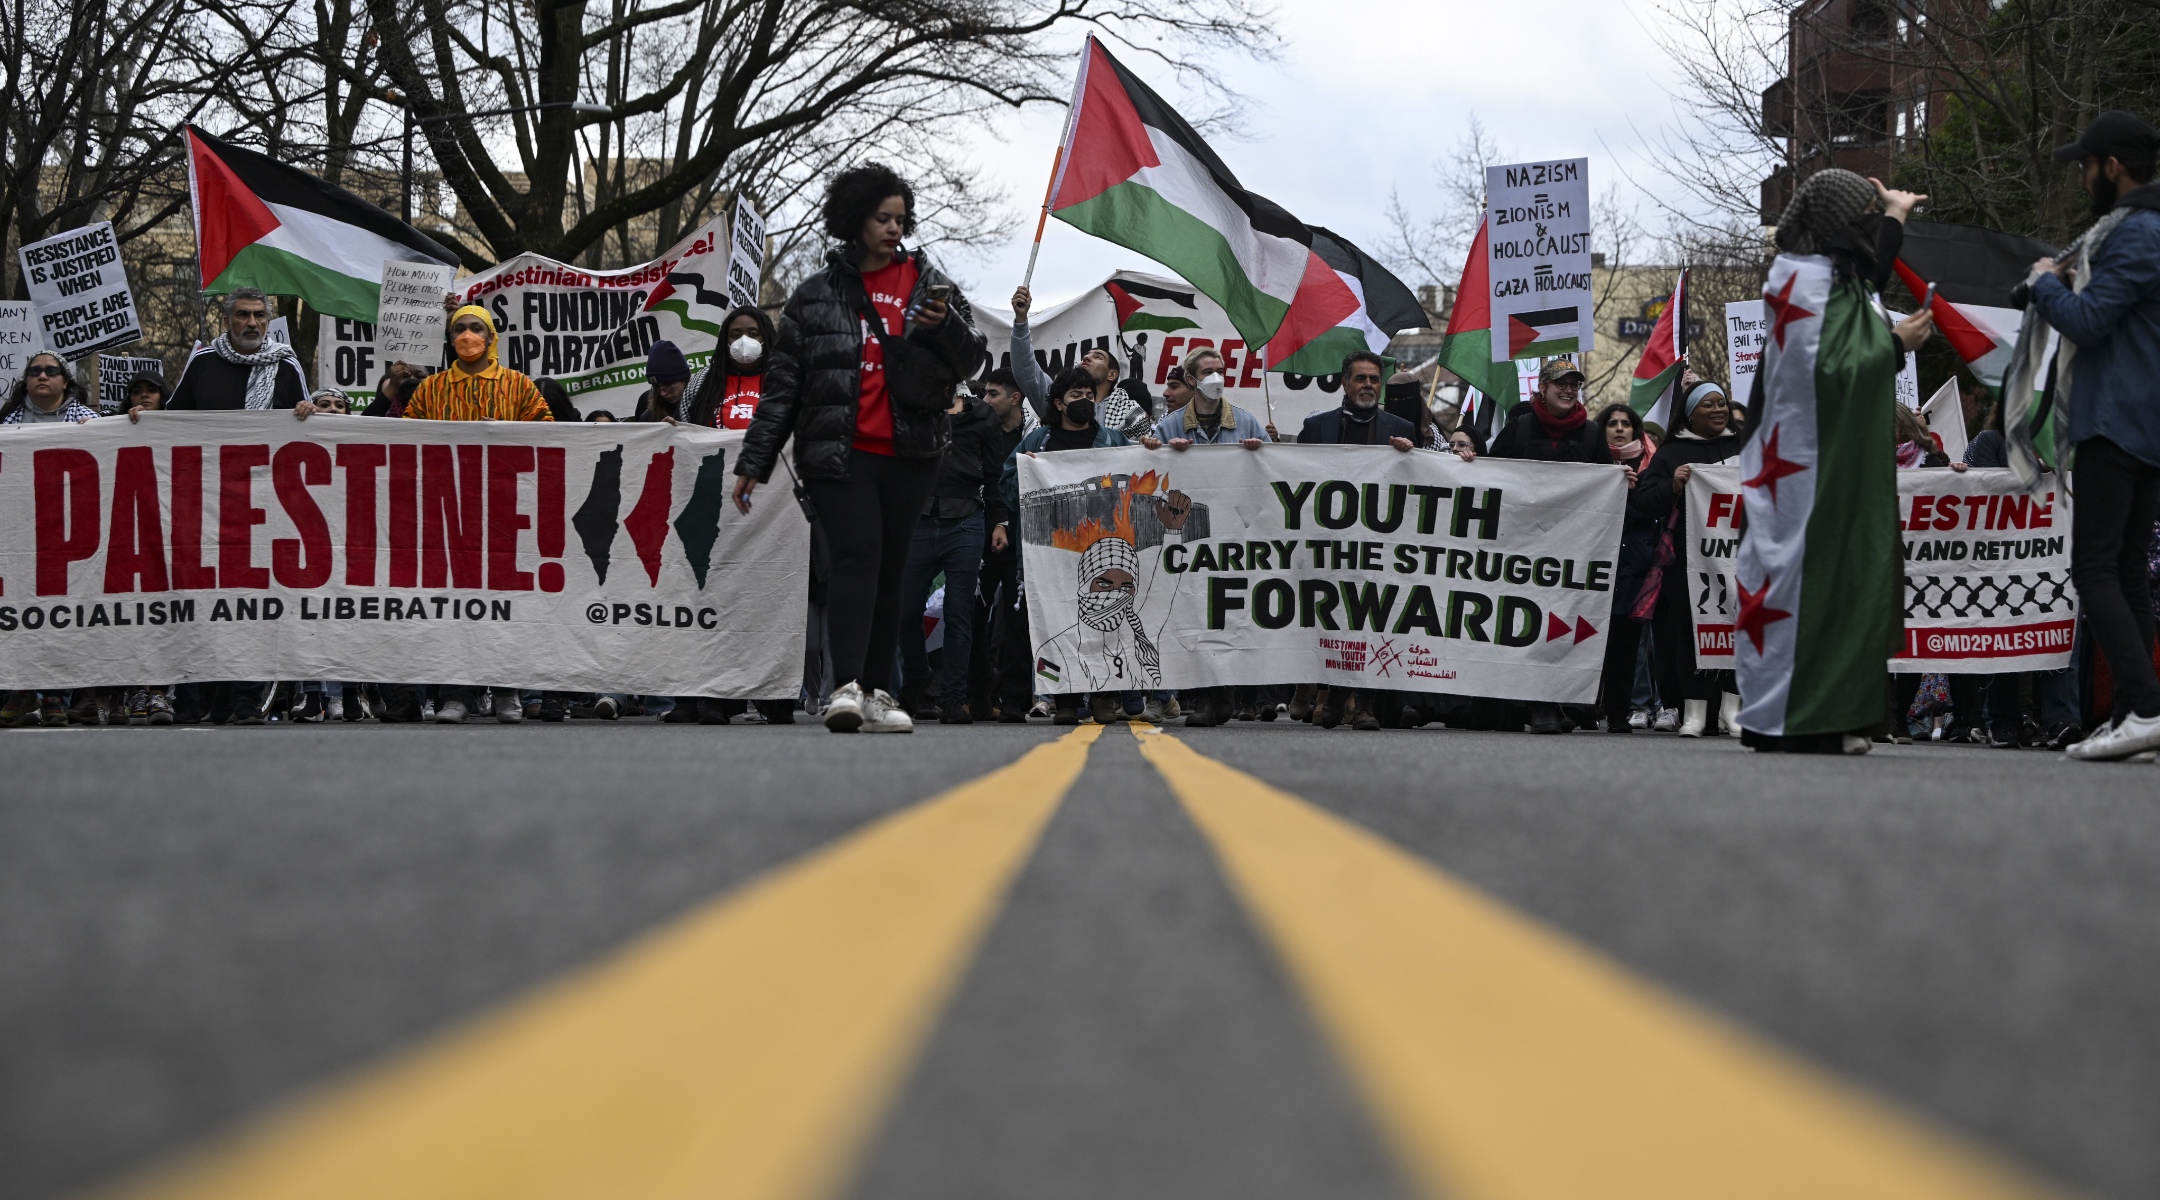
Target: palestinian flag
{"x": 260, "y": 223}
{"x": 1820, "y": 571}
{"x": 1386, "y": 307}
{"x": 1131, "y": 171}
{"x": 1544, "y": 333}
{"x": 1146, "y": 306}
{"x": 1664, "y": 357}
{"x": 1982, "y": 335}
{"x": 1467, "y": 349}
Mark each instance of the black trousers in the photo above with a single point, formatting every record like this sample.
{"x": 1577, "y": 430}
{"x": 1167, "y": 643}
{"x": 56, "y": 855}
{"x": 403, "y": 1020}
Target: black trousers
{"x": 1623, "y": 645}
{"x": 2118, "y": 498}
{"x": 999, "y": 670}
{"x": 869, "y": 524}
{"x": 1673, "y": 647}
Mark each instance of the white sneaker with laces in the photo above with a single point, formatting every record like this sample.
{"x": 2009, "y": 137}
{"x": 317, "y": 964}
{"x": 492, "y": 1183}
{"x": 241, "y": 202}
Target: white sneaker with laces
{"x": 1668, "y": 719}
{"x": 844, "y": 710}
{"x": 2131, "y": 736}
{"x": 509, "y": 706}
{"x": 1639, "y": 719}
{"x": 883, "y": 715}
{"x": 452, "y": 712}
{"x": 334, "y": 709}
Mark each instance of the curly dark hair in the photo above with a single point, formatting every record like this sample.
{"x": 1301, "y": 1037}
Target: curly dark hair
{"x": 1067, "y": 380}
{"x": 855, "y": 193}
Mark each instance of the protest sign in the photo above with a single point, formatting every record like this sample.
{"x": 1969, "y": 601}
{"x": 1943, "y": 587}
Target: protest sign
{"x": 19, "y": 339}
{"x": 115, "y": 373}
{"x": 1151, "y": 322}
{"x": 204, "y": 546}
{"x": 588, "y": 330}
{"x": 746, "y": 256}
{"x": 80, "y": 290}
{"x": 1348, "y": 565}
{"x": 1539, "y": 257}
{"x": 1987, "y": 570}
{"x": 1744, "y": 332}
{"x": 410, "y": 324}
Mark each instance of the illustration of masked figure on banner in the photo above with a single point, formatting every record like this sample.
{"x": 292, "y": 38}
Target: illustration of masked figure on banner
{"x": 1108, "y": 523}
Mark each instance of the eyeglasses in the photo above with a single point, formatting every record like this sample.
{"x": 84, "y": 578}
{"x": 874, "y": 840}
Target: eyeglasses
{"x": 41, "y": 369}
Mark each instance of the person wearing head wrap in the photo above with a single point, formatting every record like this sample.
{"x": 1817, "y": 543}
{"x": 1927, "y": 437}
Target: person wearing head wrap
{"x": 477, "y": 387}
{"x": 1657, "y": 507}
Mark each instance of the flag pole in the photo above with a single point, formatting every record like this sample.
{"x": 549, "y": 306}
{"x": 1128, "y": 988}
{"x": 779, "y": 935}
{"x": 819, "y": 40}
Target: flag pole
{"x": 1056, "y": 161}
{"x": 1267, "y": 394}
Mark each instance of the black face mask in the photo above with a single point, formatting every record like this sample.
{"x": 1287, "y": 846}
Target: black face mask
{"x": 2104, "y": 195}
{"x": 1080, "y": 412}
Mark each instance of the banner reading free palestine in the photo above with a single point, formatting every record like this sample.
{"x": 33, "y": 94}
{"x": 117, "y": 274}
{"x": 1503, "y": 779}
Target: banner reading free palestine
{"x": 203, "y": 546}
{"x": 1347, "y": 565}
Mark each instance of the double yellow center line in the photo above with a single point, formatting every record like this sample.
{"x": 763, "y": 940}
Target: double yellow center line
{"x": 748, "y": 1050}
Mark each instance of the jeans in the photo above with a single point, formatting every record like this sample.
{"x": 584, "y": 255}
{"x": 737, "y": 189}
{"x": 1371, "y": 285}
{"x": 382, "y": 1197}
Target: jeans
{"x": 954, "y": 546}
{"x": 868, "y": 520}
{"x": 2118, "y": 498}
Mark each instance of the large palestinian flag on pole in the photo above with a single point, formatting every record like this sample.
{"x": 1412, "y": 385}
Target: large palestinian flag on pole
{"x": 1820, "y": 570}
{"x": 1386, "y": 307}
{"x": 1466, "y": 350}
{"x": 1664, "y": 357}
{"x": 1133, "y": 172}
{"x": 261, "y": 223}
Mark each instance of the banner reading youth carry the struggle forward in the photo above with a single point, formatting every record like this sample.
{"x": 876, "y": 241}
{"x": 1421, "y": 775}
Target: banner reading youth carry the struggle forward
{"x": 1347, "y": 565}
{"x": 244, "y": 546}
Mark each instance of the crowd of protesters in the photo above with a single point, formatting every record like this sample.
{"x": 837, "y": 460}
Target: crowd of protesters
{"x": 902, "y": 448}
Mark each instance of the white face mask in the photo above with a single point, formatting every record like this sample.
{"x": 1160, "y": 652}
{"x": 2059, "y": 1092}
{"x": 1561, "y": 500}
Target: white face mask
{"x": 745, "y": 349}
{"x": 1210, "y": 386}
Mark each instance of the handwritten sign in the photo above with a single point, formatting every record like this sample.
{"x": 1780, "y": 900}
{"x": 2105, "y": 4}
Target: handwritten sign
{"x": 410, "y": 325}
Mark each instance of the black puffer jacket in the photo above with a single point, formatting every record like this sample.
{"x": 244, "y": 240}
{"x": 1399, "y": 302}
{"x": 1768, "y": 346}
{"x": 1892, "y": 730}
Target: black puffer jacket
{"x": 813, "y": 376}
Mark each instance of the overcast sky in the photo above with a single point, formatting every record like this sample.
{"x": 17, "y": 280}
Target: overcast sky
{"x": 1368, "y": 95}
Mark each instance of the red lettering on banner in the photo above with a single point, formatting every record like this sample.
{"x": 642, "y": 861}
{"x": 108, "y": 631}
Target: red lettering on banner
{"x": 305, "y": 561}
{"x": 1975, "y": 506}
{"x": 1231, "y": 354}
{"x": 1168, "y": 360}
{"x": 452, "y": 508}
{"x": 504, "y": 465}
{"x": 1253, "y": 363}
{"x": 1714, "y": 639}
{"x": 65, "y": 483}
{"x": 360, "y": 462}
{"x": 238, "y": 516}
{"x": 189, "y": 572}
{"x": 1946, "y": 513}
{"x": 549, "y": 532}
{"x": 1920, "y": 508}
{"x": 135, "y": 544}
{"x": 404, "y": 516}
{"x": 1722, "y": 505}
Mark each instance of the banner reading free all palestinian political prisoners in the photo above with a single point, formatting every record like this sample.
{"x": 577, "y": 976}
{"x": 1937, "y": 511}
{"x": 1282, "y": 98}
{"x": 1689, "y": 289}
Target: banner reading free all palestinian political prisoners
{"x": 1346, "y": 565}
{"x": 1987, "y": 570}
{"x": 255, "y": 546}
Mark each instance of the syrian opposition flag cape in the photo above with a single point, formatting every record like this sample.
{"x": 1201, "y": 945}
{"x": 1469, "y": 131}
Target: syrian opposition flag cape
{"x": 260, "y": 223}
{"x": 1467, "y": 348}
{"x": 1820, "y": 571}
{"x": 1386, "y": 307}
{"x": 1133, "y": 172}
{"x": 1664, "y": 356}
{"x": 1146, "y": 306}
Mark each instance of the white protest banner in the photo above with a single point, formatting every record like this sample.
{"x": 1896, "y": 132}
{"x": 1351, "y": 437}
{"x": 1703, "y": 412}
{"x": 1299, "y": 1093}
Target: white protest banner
{"x": 196, "y": 546}
{"x": 19, "y": 339}
{"x": 746, "y": 256}
{"x": 278, "y": 330}
{"x": 1987, "y": 570}
{"x": 1744, "y": 333}
{"x": 1347, "y": 565}
{"x": 1151, "y": 322}
{"x": 588, "y": 330}
{"x": 410, "y": 324}
{"x": 1539, "y": 256}
{"x": 80, "y": 289}
{"x": 115, "y": 373}
{"x": 1908, "y": 382}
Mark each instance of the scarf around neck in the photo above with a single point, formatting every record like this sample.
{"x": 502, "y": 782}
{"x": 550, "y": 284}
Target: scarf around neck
{"x": 1555, "y": 426}
{"x": 1908, "y": 455}
{"x": 262, "y": 368}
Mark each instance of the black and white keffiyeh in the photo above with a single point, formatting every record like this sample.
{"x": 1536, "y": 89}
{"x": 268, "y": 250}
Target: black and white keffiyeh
{"x": 263, "y": 367}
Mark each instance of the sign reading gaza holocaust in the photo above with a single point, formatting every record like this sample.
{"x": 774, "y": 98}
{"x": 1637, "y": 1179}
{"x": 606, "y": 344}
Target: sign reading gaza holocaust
{"x": 1987, "y": 570}
{"x": 1346, "y": 565}
{"x": 254, "y": 546}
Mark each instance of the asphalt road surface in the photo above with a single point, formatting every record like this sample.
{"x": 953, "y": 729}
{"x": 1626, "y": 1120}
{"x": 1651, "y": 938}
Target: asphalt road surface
{"x": 999, "y": 961}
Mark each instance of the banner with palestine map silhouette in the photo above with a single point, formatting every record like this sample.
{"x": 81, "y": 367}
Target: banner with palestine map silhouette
{"x": 206, "y": 546}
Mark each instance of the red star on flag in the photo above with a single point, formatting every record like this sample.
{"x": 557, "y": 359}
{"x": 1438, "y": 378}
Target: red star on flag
{"x": 1754, "y": 614}
{"x": 1773, "y": 467}
{"x": 1787, "y": 312}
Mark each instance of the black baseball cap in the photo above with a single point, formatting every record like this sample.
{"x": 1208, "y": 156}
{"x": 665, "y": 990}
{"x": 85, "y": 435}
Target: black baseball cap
{"x": 2113, "y": 134}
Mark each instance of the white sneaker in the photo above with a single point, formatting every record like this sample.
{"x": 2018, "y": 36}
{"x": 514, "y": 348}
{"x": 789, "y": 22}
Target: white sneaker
{"x": 1639, "y": 719}
{"x": 1668, "y": 719}
{"x": 427, "y": 710}
{"x": 509, "y": 706}
{"x": 334, "y": 709}
{"x": 1854, "y": 744}
{"x": 1698, "y": 716}
{"x": 452, "y": 712}
{"x": 1152, "y": 712}
{"x": 1728, "y": 715}
{"x": 1041, "y": 708}
{"x": 2131, "y": 736}
{"x": 844, "y": 708}
{"x": 483, "y": 705}
{"x": 605, "y": 709}
{"x": 882, "y": 715}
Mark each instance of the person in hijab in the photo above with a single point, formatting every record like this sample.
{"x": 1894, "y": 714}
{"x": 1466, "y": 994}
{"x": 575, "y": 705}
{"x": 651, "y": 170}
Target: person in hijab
{"x": 477, "y": 387}
{"x": 1657, "y": 512}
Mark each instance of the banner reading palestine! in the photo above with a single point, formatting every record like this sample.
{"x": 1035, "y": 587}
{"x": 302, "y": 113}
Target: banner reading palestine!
{"x": 204, "y": 546}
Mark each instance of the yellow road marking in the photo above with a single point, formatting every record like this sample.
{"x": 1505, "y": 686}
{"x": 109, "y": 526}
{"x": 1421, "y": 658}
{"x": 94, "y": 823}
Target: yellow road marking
{"x": 1506, "y": 1062}
{"x": 743, "y": 1052}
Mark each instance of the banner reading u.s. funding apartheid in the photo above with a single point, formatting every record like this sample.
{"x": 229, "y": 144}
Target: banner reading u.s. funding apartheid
{"x": 1346, "y": 565}
{"x": 257, "y": 546}
{"x": 1987, "y": 570}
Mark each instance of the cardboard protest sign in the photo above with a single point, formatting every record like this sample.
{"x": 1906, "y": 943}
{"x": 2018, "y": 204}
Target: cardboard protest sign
{"x": 80, "y": 290}
{"x": 1538, "y": 253}
{"x": 197, "y": 546}
{"x": 1348, "y": 565}
{"x": 1987, "y": 570}
{"x": 19, "y": 339}
{"x": 410, "y": 324}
